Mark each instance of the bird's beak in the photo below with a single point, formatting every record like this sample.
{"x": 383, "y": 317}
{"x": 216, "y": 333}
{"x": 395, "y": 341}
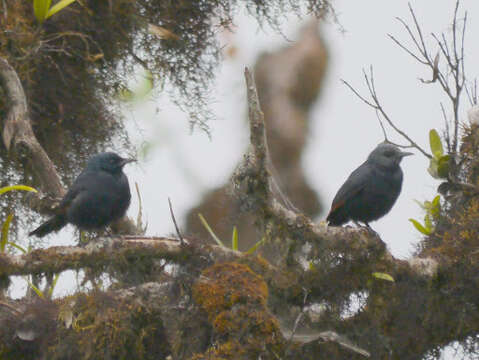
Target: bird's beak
{"x": 126, "y": 161}
{"x": 404, "y": 154}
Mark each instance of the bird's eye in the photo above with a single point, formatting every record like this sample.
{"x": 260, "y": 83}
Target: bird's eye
{"x": 389, "y": 153}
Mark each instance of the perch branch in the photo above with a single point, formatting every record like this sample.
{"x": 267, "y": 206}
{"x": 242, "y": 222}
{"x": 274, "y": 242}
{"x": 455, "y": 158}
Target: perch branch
{"x": 106, "y": 251}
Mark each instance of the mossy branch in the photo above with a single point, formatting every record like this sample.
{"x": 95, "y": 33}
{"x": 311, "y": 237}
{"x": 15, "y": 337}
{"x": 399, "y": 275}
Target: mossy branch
{"x": 18, "y": 136}
{"x": 108, "y": 251}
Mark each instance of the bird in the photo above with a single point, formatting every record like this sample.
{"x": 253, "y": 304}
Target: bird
{"x": 98, "y": 196}
{"x": 371, "y": 190}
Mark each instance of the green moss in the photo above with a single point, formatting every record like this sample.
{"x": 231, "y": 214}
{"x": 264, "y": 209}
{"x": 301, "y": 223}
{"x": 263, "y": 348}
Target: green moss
{"x": 105, "y": 327}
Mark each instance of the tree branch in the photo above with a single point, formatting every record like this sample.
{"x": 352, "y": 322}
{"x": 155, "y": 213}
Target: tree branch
{"x": 107, "y": 251}
{"x": 376, "y": 105}
{"x": 18, "y": 136}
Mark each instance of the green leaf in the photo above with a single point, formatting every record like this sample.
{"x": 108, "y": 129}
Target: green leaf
{"x": 433, "y": 168}
{"x": 4, "y": 237}
{"x": 255, "y": 246}
{"x": 16, "y": 187}
{"x": 213, "y": 235}
{"x": 37, "y": 290}
{"x": 435, "y": 143}
{"x": 58, "y": 6}
{"x": 234, "y": 239}
{"x": 141, "y": 91}
{"x": 419, "y": 227}
{"x": 436, "y": 207}
{"x": 40, "y": 9}
{"x": 428, "y": 223}
{"x": 420, "y": 204}
{"x": 443, "y": 166}
{"x": 54, "y": 283}
{"x": 16, "y": 246}
{"x": 383, "y": 276}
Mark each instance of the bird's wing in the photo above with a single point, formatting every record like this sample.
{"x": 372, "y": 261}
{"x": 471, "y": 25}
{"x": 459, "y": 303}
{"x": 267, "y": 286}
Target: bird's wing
{"x": 352, "y": 186}
{"x": 79, "y": 185}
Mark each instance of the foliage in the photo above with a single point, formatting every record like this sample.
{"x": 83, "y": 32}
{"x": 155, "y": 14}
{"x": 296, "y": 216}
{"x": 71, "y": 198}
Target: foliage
{"x": 433, "y": 211}
{"x": 234, "y": 237}
{"x": 6, "y": 225}
{"x": 439, "y": 163}
{"x": 43, "y": 9}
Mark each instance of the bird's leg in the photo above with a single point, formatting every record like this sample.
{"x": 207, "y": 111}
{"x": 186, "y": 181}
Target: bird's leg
{"x": 366, "y": 225}
{"x": 370, "y": 229}
{"x": 109, "y": 231}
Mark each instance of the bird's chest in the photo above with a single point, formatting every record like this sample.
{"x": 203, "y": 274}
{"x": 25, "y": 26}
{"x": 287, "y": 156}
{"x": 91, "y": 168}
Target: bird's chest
{"x": 113, "y": 194}
{"x": 384, "y": 186}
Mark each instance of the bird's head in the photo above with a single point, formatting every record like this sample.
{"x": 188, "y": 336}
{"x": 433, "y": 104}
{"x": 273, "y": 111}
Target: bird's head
{"x": 109, "y": 162}
{"x": 387, "y": 156}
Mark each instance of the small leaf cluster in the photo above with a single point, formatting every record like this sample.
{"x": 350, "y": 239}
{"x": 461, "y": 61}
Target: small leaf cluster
{"x": 234, "y": 237}
{"x": 433, "y": 210}
{"x": 439, "y": 163}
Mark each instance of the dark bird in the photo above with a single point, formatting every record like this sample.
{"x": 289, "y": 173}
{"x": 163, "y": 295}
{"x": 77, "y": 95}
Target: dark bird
{"x": 98, "y": 196}
{"x": 371, "y": 190}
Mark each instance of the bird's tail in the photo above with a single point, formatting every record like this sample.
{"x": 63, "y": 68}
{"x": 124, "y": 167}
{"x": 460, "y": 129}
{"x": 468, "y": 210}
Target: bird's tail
{"x": 54, "y": 224}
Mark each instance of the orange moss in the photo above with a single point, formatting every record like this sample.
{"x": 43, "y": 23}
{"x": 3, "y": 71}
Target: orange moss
{"x": 228, "y": 350}
{"x": 235, "y": 299}
{"x": 223, "y": 285}
{"x": 255, "y": 324}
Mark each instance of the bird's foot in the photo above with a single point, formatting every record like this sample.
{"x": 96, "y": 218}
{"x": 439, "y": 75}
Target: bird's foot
{"x": 366, "y": 226}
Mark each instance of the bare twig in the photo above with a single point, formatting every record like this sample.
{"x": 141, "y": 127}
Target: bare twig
{"x": 453, "y": 53}
{"x": 447, "y": 136}
{"x": 139, "y": 219}
{"x": 375, "y": 104}
{"x": 182, "y": 242}
{"x": 472, "y": 92}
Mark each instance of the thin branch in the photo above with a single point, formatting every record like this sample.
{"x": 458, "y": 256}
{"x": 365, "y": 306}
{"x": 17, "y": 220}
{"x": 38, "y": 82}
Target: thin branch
{"x": 375, "y": 104}
{"x": 413, "y": 38}
{"x": 454, "y": 59}
{"x": 382, "y": 127}
{"x": 447, "y": 137}
{"x": 359, "y": 95}
{"x": 174, "y": 222}
{"x": 419, "y": 32}
{"x": 398, "y": 43}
